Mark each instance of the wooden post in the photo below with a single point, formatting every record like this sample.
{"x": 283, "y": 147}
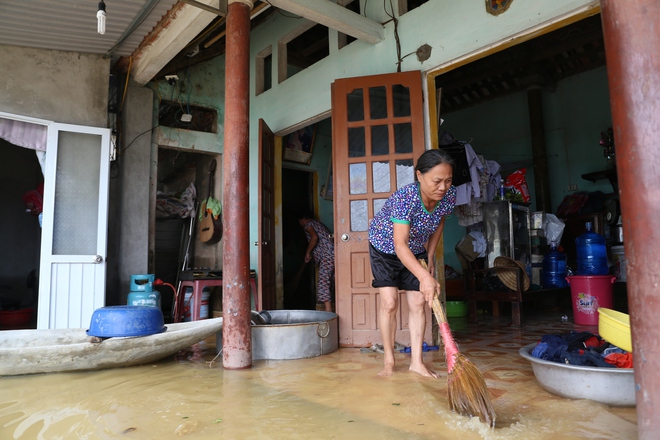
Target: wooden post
{"x": 236, "y": 328}
{"x": 632, "y": 36}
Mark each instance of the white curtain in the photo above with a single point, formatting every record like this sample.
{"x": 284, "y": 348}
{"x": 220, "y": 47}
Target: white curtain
{"x": 24, "y": 134}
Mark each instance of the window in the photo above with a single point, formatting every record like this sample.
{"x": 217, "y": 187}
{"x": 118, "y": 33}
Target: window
{"x": 301, "y": 48}
{"x": 409, "y": 5}
{"x": 351, "y": 5}
{"x": 171, "y": 114}
{"x": 264, "y": 70}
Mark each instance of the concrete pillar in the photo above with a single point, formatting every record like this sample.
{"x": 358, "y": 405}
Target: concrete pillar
{"x": 632, "y": 36}
{"x": 236, "y": 328}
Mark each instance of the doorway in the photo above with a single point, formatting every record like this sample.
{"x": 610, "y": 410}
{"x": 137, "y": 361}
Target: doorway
{"x": 20, "y": 174}
{"x": 182, "y": 175}
{"x": 299, "y": 278}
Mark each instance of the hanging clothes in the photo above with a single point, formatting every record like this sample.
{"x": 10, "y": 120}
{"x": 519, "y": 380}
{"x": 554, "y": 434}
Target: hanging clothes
{"x": 471, "y": 189}
{"x": 461, "y": 163}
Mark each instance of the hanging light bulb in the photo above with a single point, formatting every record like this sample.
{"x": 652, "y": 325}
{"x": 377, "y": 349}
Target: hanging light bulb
{"x": 100, "y": 16}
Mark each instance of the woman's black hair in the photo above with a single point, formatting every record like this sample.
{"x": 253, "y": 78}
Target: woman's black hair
{"x": 432, "y": 158}
{"x": 305, "y": 213}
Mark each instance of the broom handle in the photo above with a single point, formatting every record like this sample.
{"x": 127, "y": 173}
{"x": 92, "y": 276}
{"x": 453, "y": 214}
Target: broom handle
{"x": 439, "y": 311}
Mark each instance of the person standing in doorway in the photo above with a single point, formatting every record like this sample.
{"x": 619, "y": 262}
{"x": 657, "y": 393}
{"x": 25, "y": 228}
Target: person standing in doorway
{"x": 407, "y": 229}
{"x": 322, "y": 247}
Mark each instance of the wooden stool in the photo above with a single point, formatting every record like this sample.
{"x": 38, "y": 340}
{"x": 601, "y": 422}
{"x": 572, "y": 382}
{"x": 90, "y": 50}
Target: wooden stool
{"x": 195, "y": 301}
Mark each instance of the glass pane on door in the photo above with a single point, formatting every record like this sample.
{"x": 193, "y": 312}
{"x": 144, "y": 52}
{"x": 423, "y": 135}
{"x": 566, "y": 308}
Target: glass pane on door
{"x": 359, "y": 220}
{"x": 75, "y": 225}
{"x": 378, "y": 102}
{"x": 381, "y": 176}
{"x": 356, "y": 142}
{"x": 355, "y": 105}
{"x": 378, "y": 205}
{"x": 357, "y": 175}
{"x": 403, "y": 138}
{"x": 401, "y": 98}
{"x": 405, "y": 172}
{"x": 380, "y": 140}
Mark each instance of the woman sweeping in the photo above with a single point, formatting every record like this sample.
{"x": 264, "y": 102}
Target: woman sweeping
{"x": 322, "y": 247}
{"x": 407, "y": 229}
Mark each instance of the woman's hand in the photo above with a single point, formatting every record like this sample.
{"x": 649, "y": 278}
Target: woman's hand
{"x": 308, "y": 257}
{"x": 429, "y": 287}
{"x": 434, "y": 288}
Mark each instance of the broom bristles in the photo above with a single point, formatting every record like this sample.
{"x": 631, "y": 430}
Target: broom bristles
{"x": 468, "y": 393}
{"x": 466, "y": 387}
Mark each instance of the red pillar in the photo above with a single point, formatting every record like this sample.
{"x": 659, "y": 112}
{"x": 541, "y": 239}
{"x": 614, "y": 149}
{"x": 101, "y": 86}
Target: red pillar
{"x": 632, "y": 38}
{"x": 236, "y": 330}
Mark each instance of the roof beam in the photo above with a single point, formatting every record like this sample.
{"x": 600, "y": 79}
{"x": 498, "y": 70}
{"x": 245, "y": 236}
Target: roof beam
{"x": 335, "y": 17}
{"x": 182, "y": 24}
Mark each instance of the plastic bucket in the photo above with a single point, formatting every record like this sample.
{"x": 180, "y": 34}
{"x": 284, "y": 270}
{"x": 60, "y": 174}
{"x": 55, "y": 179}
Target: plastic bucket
{"x": 456, "y": 309}
{"x": 188, "y": 304}
{"x": 588, "y": 292}
{"x": 619, "y": 258}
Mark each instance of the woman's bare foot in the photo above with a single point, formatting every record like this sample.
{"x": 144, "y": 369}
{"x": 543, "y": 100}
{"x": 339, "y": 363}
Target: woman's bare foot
{"x": 388, "y": 370}
{"x": 422, "y": 370}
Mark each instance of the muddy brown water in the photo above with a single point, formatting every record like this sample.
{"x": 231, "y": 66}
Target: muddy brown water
{"x": 335, "y": 396}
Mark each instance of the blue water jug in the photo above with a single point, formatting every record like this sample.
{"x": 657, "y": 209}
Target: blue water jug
{"x": 554, "y": 269}
{"x": 591, "y": 253}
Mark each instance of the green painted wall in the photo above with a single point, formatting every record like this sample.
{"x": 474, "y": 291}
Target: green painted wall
{"x": 453, "y": 29}
{"x": 574, "y": 116}
{"x": 201, "y": 85}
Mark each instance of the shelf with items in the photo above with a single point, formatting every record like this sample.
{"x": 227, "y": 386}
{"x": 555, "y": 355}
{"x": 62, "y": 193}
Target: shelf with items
{"x": 609, "y": 174}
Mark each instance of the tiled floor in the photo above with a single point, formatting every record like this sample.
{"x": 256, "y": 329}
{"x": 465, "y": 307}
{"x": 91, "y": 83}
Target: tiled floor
{"x": 493, "y": 345}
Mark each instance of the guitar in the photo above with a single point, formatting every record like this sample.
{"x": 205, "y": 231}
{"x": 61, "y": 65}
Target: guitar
{"x": 210, "y": 228}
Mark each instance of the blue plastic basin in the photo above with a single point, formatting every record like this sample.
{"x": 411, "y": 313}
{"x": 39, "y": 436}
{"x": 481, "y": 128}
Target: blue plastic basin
{"x": 123, "y": 321}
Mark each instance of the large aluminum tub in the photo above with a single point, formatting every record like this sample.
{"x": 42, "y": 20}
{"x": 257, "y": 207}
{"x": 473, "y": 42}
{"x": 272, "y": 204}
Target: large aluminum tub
{"x": 294, "y": 334}
{"x": 611, "y": 386}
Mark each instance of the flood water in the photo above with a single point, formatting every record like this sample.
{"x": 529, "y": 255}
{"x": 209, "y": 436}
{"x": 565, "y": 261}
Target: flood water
{"x": 335, "y": 396}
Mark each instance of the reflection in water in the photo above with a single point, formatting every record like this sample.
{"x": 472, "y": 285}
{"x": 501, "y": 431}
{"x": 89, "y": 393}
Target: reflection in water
{"x": 336, "y": 396}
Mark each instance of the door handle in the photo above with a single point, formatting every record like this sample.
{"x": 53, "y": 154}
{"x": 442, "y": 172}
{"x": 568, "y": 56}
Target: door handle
{"x": 97, "y": 259}
{"x": 264, "y": 243}
{"x": 345, "y": 237}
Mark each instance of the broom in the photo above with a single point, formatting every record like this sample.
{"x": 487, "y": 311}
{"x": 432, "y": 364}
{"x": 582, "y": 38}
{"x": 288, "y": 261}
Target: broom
{"x": 466, "y": 388}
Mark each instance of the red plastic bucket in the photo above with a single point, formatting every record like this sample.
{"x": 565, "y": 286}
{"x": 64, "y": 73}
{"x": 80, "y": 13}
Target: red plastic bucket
{"x": 588, "y": 292}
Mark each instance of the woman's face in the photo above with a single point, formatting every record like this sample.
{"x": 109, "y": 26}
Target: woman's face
{"x": 435, "y": 183}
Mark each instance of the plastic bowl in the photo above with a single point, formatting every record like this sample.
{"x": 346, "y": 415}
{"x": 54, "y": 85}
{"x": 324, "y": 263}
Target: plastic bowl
{"x": 15, "y": 318}
{"x": 457, "y": 309}
{"x": 614, "y": 327}
{"x": 124, "y": 321}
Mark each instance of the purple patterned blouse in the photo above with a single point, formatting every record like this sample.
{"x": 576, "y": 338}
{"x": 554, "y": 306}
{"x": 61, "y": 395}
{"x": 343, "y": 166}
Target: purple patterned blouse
{"x": 405, "y": 206}
{"x": 325, "y": 247}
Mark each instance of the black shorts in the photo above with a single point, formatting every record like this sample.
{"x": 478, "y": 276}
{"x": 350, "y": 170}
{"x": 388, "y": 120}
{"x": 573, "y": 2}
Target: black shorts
{"x": 389, "y": 271}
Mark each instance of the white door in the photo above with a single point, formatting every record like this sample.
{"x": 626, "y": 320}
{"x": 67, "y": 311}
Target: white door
{"x": 74, "y": 235}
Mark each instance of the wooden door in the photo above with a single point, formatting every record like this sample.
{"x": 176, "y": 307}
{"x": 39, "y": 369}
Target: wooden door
{"x": 377, "y": 134}
{"x": 266, "y": 243}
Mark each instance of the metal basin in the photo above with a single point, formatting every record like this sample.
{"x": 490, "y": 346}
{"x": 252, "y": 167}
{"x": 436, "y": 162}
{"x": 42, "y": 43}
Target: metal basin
{"x": 294, "y": 334}
{"x": 611, "y": 386}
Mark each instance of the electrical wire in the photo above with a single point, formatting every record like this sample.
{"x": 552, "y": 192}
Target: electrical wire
{"x": 396, "y": 34}
{"x": 128, "y": 74}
